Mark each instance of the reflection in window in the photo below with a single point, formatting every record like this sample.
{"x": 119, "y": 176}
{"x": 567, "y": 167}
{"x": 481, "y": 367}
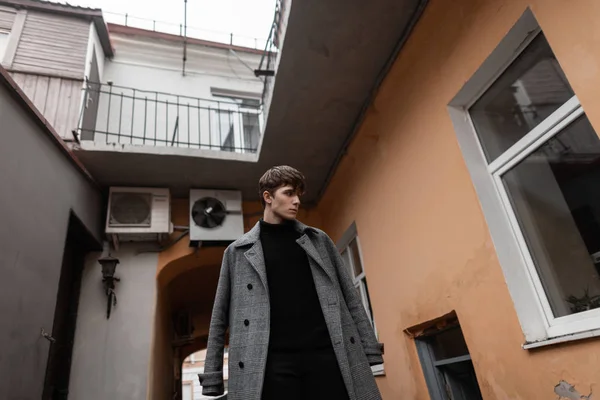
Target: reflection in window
{"x": 531, "y": 89}
{"x": 556, "y": 197}
{"x": 353, "y": 262}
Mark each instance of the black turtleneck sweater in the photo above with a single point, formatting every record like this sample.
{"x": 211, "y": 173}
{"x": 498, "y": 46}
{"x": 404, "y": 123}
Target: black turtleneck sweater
{"x": 297, "y": 322}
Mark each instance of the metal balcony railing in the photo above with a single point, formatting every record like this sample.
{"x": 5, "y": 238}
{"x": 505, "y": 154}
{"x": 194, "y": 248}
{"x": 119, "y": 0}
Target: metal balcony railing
{"x": 120, "y": 115}
{"x": 267, "y": 65}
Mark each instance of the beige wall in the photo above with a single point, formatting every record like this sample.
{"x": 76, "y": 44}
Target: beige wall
{"x": 426, "y": 246}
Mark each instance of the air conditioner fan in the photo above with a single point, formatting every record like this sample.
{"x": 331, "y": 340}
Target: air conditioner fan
{"x": 208, "y": 212}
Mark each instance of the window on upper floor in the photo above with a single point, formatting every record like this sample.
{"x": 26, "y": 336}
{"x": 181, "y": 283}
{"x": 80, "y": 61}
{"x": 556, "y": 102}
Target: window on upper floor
{"x": 537, "y": 172}
{"x": 4, "y": 35}
{"x": 237, "y": 123}
{"x": 544, "y": 156}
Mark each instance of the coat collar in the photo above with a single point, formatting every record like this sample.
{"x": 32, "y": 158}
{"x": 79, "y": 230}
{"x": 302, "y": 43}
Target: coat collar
{"x": 253, "y": 235}
{"x": 255, "y": 253}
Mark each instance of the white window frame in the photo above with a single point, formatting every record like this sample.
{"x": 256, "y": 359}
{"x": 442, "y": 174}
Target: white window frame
{"x": 6, "y": 40}
{"x": 230, "y": 101}
{"x": 343, "y": 245}
{"x": 538, "y": 322}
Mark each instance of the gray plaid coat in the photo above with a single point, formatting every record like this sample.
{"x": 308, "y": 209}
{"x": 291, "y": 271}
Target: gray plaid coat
{"x": 242, "y": 294}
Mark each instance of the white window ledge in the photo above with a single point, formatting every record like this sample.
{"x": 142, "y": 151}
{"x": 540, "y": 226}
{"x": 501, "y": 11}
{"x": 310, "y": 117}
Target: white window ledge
{"x": 562, "y": 339}
{"x": 378, "y": 370}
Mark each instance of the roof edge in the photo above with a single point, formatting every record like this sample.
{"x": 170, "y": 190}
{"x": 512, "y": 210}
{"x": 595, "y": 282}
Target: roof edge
{"x": 104, "y": 36}
{"x": 91, "y": 14}
{"x": 58, "y": 8}
{"x": 129, "y": 30}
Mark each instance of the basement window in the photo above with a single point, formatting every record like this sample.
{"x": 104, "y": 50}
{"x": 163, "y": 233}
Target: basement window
{"x": 447, "y": 365}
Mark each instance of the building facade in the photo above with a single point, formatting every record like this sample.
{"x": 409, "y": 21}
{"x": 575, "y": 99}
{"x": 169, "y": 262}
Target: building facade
{"x": 450, "y": 149}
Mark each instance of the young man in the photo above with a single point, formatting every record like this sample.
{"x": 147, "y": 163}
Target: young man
{"x": 297, "y": 328}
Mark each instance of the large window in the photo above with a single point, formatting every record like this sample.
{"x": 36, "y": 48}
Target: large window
{"x": 541, "y": 195}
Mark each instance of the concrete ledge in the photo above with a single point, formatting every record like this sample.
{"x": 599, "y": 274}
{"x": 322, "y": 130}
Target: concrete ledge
{"x": 88, "y": 145}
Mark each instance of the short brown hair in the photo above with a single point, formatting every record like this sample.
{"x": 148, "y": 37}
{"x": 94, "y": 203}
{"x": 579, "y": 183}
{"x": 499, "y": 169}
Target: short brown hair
{"x": 279, "y": 176}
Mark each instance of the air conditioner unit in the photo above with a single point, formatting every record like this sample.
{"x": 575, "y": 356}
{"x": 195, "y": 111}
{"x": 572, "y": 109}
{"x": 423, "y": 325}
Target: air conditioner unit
{"x": 138, "y": 214}
{"x": 215, "y": 216}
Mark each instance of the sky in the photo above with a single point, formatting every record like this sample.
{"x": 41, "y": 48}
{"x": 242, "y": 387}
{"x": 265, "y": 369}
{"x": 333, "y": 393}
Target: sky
{"x": 206, "y": 19}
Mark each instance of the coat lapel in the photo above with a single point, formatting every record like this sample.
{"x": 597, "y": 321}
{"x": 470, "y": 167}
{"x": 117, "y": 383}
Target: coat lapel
{"x": 256, "y": 258}
{"x": 254, "y": 254}
{"x": 310, "y": 249}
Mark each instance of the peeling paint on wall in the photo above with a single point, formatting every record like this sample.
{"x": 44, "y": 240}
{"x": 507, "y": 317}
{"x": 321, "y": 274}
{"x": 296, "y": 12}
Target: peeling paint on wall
{"x": 567, "y": 391}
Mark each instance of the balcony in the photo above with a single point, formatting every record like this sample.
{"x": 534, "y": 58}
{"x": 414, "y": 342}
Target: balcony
{"x": 156, "y": 122}
{"x": 315, "y": 88}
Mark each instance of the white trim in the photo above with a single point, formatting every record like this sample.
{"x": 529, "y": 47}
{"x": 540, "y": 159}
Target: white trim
{"x": 378, "y": 370}
{"x": 359, "y": 281}
{"x": 510, "y": 47}
{"x": 563, "y": 339}
{"x": 536, "y": 137}
{"x": 14, "y": 38}
{"x": 538, "y": 323}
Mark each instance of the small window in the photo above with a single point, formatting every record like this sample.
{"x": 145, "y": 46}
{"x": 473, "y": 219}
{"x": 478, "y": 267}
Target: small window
{"x": 447, "y": 365}
{"x": 353, "y": 261}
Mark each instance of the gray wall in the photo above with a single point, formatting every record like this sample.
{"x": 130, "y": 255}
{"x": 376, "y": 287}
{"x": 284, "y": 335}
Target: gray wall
{"x": 39, "y": 187}
{"x": 111, "y": 357}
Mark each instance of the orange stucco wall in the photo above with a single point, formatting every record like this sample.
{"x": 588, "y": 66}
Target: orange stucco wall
{"x": 426, "y": 247}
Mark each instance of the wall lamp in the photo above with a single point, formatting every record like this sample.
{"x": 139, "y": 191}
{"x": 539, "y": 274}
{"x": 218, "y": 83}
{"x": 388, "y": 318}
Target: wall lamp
{"x": 109, "y": 265}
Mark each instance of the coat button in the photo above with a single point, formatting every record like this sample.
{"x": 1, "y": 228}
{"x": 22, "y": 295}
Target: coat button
{"x": 249, "y": 286}
{"x": 241, "y": 364}
{"x": 352, "y": 340}
{"x": 246, "y": 322}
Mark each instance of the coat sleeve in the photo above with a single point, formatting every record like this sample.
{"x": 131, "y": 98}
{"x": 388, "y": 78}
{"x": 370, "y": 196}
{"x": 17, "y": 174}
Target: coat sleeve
{"x": 212, "y": 378}
{"x": 373, "y": 349}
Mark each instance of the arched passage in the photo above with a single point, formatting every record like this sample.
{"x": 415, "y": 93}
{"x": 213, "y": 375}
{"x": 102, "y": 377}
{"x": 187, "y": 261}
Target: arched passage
{"x": 186, "y": 289}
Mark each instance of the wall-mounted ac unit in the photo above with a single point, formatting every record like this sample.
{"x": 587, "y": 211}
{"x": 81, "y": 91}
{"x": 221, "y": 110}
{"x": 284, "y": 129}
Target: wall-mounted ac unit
{"x": 138, "y": 214}
{"x": 215, "y": 216}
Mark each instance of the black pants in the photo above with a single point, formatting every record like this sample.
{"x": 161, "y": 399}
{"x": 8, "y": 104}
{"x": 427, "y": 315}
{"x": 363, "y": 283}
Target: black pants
{"x": 303, "y": 376}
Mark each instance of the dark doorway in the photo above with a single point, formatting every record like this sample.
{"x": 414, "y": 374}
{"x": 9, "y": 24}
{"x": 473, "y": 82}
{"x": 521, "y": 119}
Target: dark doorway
{"x": 58, "y": 369}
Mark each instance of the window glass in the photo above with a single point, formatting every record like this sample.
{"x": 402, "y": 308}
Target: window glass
{"x": 531, "y": 89}
{"x": 355, "y": 258}
{"x": 3, "y": 43}
{"x": 556, "y": 198}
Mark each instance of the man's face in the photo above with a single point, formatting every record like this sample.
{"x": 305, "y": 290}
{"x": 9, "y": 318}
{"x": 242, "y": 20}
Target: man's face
{"x": 285, "y": 202}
